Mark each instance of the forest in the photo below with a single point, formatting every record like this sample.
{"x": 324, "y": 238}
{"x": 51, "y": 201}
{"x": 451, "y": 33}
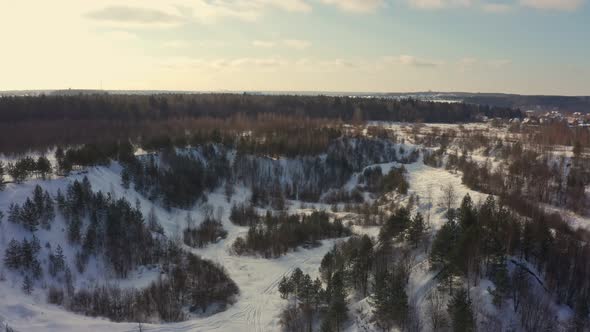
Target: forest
{"x": 81, "y": 119}
{"x": 297, "y": 213}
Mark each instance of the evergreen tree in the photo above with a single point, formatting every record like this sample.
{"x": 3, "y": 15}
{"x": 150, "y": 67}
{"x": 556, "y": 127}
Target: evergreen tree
{"x": 125, "y": 178}
{"x": 61, "y": 201}
{"x": 43, "y": 167}
{"x": 285, "y": 288}
{"x": 48, "y": 212}
{"x": 14, "y": 213}
{"x": 2, "y": 171}
{"x": 337, "y": 308}
{"x": 57, "y": 262}
{"x": 390, "y": 300}
{"x": 75, "y": 229}
{"x": 467, "y": 213}
{"x": 12, "y": 256}
{"x": 29, "y": 215}
{"x": 461, "y": 313}
{"x": 295, "y": 279}
{"x": 501, "y": 279}
{"x": 362, "y": 260}
{"x": 153, "y": 223}
{"x": 397, "y": 224}
{"x": 416, "y": 230}
{"x": 306, "y": 297}
{"x": 380, "y": 299}
{"x": 27, "y": 285}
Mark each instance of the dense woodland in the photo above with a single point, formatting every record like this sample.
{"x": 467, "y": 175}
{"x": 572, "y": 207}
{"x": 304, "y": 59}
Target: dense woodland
{"x": 72, "y": 120}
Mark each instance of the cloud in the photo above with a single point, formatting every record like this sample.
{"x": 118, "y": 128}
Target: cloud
{"x": 183, "y": 63}
{"x": 438, "y": 4}
{"x": 497, "y": 7}
{"x": 297, "y": 44}
{"x": 162, "y": 13}
{"x": 499, "y": 63}
{"x": 410, "y": 60}
{"x": 263, "y": 44}
{"x": 356, "y": 6}
{"x": 135, "y": 15}
{"x": 288, "y": 5}
{"x": 565, "y": 5}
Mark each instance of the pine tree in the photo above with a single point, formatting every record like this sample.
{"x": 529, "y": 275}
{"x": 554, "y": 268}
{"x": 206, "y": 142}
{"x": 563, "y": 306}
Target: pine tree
{"x": 319, "y": 293}
{"x": 390, "y": 300}
{"x": 380, "y": 299}
{"x": 64, "y": 165}
{"x": 461, "y": 313}
{"x": 467, "y": 213}
{"x": 29, "y": 216}
{"x": 152, "y": 221}
{"x": 61, "y": 201}
{"x": 14, "y": 213}
{"x": 397, "y": 224}
{"x": 399, "y": 299}
{"x": 12, "y": 256}
{"x": 2, "y": 172}
{"x": 43, "y": 167}
{"x": 306, "y": 296}
{"x": 501, "y": 279}
{"x": 27, "y": 285}
{"x": 48, "y": 213}
{"x": 74, "y": 229}
{"x": 295, "y": 279}
{"x": 337, "y": 308}
{"x": 56, "y": 261}
{"x": 285, "y": 288}
{"x": 125, "y": 178}
{"x": 416, "y": 230}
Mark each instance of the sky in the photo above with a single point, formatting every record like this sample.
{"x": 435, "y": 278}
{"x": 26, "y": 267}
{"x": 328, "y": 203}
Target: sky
{"x": 513, "y": 46}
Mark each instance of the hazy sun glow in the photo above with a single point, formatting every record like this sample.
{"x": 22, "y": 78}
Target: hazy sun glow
{"x": 527, "y": 46}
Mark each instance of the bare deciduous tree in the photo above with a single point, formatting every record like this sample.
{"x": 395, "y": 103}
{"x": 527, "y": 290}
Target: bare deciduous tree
{"x": 449, "y": 196}
{"x": 436, "y": 310}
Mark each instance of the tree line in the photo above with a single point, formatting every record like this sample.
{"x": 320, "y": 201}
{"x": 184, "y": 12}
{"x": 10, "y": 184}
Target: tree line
{"x": 80, "y": 119}
{"x": 278, "y": 233}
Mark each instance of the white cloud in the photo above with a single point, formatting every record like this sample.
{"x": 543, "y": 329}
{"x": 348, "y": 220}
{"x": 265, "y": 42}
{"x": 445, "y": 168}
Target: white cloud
{"x": 410, "y": 60}
{"x": 499, "y": 63}
{"x": 297, "y": 44}
{"x": 356, "y": 6}
{"x": 263, "y": 44}
{"x": 135, "y": 16}
{"x": 183, "y": 63}
{"x": 566, "y": 5}
{"x": 497, "y": 7}
{"x": 162, "y": 13}
{"x": 287, "y": 5}
{"x": 438, "y": 4}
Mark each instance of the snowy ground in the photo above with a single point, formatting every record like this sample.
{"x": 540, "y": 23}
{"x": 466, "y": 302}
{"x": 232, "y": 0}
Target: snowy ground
{"x": 259, "y": 304}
